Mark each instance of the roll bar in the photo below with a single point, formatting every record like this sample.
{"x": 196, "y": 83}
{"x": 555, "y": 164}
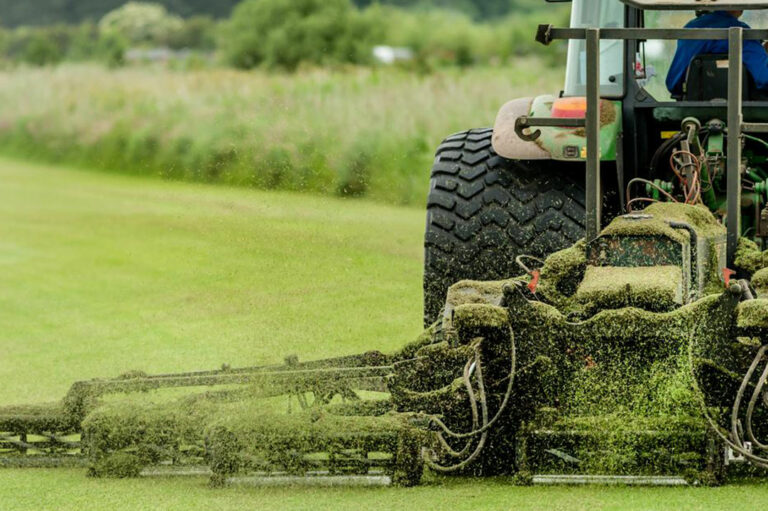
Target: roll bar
{"x": 735, "y": 123}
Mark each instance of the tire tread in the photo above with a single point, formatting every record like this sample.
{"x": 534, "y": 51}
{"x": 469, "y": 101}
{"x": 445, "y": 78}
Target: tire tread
{"x": 484, "y": 210}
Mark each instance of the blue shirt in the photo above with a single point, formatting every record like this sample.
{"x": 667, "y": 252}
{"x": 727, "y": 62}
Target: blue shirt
{"x": 755, "y": 56}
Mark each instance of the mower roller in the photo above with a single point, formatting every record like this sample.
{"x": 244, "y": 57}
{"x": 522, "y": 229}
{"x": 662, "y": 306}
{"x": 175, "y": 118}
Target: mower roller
{"x": 607, "y": 325}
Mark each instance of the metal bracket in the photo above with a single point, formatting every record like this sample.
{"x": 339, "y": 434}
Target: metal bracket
{"x": 564, "y": 456}
{"x": 754, "y": 127}
{"x": 732, "y": 456}
{"x": 544, "y": 34}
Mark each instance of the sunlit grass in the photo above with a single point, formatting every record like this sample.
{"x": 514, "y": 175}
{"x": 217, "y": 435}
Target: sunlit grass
{"x": 69, "y": 490}
{"x": 103, "y": 274}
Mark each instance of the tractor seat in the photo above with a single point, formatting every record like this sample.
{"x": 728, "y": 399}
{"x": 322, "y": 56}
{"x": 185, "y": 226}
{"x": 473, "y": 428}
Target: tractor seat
{"x": 707, "y": 80}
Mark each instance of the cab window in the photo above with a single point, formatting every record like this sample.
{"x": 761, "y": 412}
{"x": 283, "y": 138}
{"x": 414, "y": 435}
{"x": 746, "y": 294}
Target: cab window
{"x": 591, "y": 14}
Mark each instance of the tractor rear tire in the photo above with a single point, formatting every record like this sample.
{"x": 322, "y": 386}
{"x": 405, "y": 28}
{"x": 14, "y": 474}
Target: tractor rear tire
{"x": 484, "y": 210}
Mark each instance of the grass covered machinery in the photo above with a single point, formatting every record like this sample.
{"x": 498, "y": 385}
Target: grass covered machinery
{"x": 633, "y": 341}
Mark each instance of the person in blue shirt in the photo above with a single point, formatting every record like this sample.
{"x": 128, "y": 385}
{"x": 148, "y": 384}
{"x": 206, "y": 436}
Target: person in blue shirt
{"x": 755, "y": 56}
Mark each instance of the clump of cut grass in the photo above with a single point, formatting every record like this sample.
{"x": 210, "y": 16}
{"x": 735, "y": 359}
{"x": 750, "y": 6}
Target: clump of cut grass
{"x": 749, "y": 257}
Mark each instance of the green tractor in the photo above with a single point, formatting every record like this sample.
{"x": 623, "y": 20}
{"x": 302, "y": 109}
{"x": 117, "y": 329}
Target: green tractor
{"x": 596, "y": 302}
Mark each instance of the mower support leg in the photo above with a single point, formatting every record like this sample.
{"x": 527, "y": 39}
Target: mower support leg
{"x": 593, "y": 192}
{"x": 735, "y": 118}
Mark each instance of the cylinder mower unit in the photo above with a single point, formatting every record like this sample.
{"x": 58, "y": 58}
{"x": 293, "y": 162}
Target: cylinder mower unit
{"x": 633, "y": 341}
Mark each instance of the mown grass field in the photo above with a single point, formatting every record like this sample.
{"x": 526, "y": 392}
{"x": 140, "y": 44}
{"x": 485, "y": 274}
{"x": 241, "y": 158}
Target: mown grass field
{"x": 104, "y": 274}
{"x": 369, "y": 132}
{"x": 70, "y": 491}
{"x": 100, "y": 274}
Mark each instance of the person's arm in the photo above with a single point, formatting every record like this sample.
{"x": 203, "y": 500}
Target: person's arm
{"x": 756, "y": 60}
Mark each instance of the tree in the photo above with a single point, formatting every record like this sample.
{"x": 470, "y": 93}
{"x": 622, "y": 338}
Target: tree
{"x": 285, "y": 33}
{"x": 141, "y": 23}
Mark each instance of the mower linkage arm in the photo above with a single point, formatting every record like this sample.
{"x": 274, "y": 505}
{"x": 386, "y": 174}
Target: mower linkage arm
{"x": 524, "y": 122}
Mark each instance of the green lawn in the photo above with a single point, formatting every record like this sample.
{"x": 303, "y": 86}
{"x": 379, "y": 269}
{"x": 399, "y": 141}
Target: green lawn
{"x": 100, "y": 274}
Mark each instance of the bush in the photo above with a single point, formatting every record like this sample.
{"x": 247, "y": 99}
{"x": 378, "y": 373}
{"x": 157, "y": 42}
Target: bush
{"x": 83, "y": 42}
{"x": 196, "y": 33}
{"x": 52, "y": 45}
{"x": 111, "y": 50}
{"x": 88, "y": 43}
{"x": 285, "y": 33}
{"x": 37, "y": 46}
{"x": 41, "y": 50}
{"x": 120, "y": 465}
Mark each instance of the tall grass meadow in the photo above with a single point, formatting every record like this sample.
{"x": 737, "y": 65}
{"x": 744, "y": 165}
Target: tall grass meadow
{"x": 355, "y": 132}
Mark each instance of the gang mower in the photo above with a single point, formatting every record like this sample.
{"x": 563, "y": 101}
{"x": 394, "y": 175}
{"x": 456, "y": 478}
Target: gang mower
{"x": 607, "y": 324}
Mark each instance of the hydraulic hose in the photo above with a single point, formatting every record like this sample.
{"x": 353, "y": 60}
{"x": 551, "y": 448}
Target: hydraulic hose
{"x": 483, "y": 430}
{"x": 735, "y": 440}
{"x": 662, "y": 150}
{"x": 504, "y": 402}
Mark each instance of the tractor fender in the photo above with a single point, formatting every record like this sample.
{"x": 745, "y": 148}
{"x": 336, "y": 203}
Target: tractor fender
{"x": 554, "y": 143}
{"x": 506, "y": 143}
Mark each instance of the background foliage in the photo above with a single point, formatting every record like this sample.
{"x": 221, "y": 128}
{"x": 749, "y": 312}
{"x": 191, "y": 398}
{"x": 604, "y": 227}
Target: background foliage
{"x": 280, "y": 34}
{"x": 285, "y": 33}
{"x": 15, "y": 13}
{"x": 45, "y": 12}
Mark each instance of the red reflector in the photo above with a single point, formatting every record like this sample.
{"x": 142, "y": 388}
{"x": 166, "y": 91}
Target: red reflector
{"x": 569, "y": 108}
{"x": 534, "y": 283}
{"x": 727, "y": 274}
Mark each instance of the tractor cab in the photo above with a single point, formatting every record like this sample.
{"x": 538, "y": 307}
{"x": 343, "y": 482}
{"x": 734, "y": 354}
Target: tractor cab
{"x": 627, "y": 66}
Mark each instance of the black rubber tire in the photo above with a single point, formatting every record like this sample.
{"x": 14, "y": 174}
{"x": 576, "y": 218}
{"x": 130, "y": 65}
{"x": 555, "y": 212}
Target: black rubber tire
{"x": 484, "y": 210}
